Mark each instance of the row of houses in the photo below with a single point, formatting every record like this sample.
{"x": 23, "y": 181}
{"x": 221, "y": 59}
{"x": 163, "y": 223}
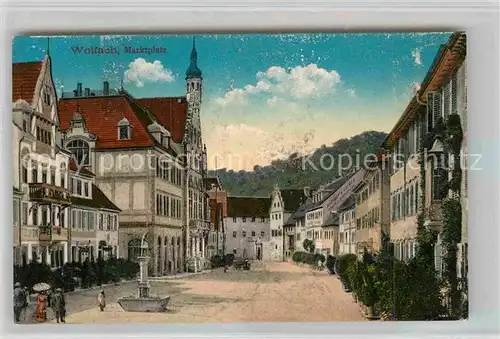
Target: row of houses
{"x": 381, "y": 197}
{"x": 99, "y": 172}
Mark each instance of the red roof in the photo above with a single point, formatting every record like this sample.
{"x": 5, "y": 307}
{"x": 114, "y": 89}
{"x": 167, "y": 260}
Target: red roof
{"x": 170, "y": 112}
{"x": 24, "y": 78}
{"x": 83, "y": 170}
{"x": 102, "y": 115}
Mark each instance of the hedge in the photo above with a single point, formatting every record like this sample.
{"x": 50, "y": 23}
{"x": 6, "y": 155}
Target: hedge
{"x": 308, "y": 258}
{"x": 395, "y": 289}
{"x": 221, "y": 261}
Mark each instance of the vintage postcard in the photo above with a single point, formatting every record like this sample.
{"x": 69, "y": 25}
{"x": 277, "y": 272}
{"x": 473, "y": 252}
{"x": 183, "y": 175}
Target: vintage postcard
{"x": 239, "y": 178}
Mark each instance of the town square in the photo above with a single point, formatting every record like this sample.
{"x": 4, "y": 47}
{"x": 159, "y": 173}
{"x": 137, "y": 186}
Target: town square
{"x": 240, "y": 178}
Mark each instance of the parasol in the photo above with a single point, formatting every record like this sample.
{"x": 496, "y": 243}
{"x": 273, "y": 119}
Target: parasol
{"x": 40, "y": 287}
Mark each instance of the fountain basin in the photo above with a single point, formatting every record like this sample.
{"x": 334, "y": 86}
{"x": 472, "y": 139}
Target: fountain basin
{"x": 149, "y": 304}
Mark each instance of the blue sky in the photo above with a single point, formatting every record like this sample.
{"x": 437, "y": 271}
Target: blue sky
{"x": 265, "y": 96}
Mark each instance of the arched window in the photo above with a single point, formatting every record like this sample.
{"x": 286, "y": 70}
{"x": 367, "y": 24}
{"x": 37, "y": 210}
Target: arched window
{"x": 80, "y": 150}
{"x": 134, "y": 249}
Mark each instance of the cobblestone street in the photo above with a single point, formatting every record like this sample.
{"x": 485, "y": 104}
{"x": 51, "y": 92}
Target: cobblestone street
{"x": 270, "y": 292}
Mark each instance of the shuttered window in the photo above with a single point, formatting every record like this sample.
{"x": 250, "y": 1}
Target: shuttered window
{"x": 446, "y": 100}
{"x": 418, "y": 126}
{"x": 430, "y": 103}
{"x": 436, "y": 107}
{"x": 454, "y": 94}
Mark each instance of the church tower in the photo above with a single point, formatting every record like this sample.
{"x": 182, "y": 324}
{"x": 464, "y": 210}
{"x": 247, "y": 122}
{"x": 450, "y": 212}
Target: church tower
{"x": 197, "y": 221}
{"x": 193, "y": 95}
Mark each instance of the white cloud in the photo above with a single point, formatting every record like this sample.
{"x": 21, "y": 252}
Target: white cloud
{"x": 301, "y": 82}
{"x": 416, "y": 56}
{"x": 140, "y": 71}
{"x": 351, "y": 92}
{"x": 415, "y": 86}
{"x": 233, "y": 97}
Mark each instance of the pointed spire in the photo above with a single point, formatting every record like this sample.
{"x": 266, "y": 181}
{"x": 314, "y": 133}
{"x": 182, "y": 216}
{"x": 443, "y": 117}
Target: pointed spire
{"x": 193, "y": 71}
{"x": 48, "y": 46}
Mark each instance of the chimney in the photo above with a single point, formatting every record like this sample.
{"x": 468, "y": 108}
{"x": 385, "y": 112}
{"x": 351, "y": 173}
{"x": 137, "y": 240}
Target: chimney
{"x": 105, "y": 88}
{"x": 87, "y": 92}
{"x": 79, "y": 89}
{"x": 307, "y": 191}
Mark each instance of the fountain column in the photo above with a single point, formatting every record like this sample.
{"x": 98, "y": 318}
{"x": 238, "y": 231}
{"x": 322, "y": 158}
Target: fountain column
{"x": 144, "y": 301}
{"x": 143, "y": 284}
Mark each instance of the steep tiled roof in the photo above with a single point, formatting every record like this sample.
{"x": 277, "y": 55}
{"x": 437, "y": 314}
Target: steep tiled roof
{"x": 99, "y": 200}
{"x": 301, "y": 211}
{"x": 333, "y": 220}
{"x": 24, "y": 78}
{"x": 248, "y": 207}
{"x": 290, "y": 221}
{"x": 170, "y": 112}
{"x": 102, "y": 115}
{"x": 331, "y": 188}
{"x": 349, "y": 204}
{"x": 85, "y": 171}
{"x": 292, "y": 198}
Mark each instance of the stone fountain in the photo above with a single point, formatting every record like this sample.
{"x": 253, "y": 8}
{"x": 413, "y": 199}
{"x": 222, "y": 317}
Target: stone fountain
{"x": 144, "y": 301}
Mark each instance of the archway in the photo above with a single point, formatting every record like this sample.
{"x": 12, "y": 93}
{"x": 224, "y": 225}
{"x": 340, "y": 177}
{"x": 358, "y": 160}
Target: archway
{"x": 134, "y": 249}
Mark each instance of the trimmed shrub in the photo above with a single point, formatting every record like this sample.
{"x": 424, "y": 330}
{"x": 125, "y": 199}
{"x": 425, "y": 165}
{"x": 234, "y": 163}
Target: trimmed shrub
{"x": 341, "y": 266}
{"x": 330, "y": 263}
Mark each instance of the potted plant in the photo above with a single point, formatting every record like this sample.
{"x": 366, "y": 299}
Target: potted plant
{"x": 370, "y": 297}
{"x": 342, "y": 264}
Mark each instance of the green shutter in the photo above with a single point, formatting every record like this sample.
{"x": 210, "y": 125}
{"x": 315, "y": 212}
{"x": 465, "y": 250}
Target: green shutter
{"x": 429, "y": 115}
{"x": 446, "y": 99}
{"x": 436, "y": 108}
{"x": 454, "y": 93}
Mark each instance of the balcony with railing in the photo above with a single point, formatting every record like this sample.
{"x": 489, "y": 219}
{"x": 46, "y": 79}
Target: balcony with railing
{"x": 49, "y": 234}
{"x": 199, "y": 224}
{"x": 47, "y": 193}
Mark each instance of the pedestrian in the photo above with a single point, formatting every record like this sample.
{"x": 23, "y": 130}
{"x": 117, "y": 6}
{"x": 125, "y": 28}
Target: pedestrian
{"x": 19, "y": 301}
{"x": 101, "y": 299}
{"x": 41, "y": 307}
{"x": 320, "y": 265}
{"x": 59, "y": 305}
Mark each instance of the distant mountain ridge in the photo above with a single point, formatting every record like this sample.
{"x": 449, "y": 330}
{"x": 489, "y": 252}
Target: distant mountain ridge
{"x": 298, "y": 171}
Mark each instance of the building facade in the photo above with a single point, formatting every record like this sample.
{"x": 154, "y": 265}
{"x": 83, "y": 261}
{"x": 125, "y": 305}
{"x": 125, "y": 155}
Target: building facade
{"x": 441, "y": 94}
{"x": 247, "y": 227}
{"x": 326, "y": 202}
{"x": 94, "y": 219}
{"x": 284, "y": 202}
{"x": 149, "y": 159}
{"x": 40, "y": 165}
{"x": 347, "y": 227}
{"x": 372, "y": 208}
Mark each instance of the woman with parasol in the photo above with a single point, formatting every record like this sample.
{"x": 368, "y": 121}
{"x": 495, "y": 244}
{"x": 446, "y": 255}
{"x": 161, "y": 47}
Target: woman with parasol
{"x": 41, "y": 301}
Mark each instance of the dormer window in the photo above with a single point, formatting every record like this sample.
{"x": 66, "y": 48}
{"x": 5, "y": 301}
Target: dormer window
{"x": 124, "y": 129}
